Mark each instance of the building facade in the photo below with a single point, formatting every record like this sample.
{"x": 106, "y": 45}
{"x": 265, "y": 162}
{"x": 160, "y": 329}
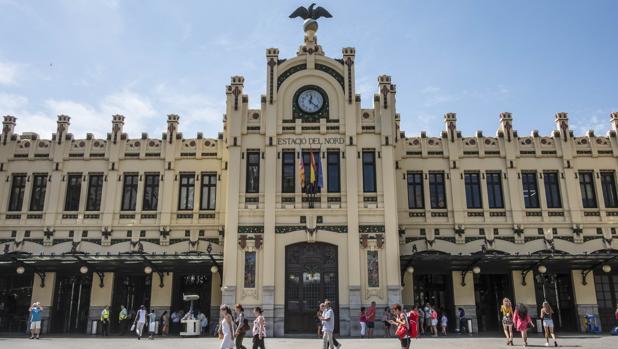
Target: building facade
{"x": 310, "y": 196}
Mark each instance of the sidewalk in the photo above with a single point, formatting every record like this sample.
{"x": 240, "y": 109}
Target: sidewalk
{"x": 464, "y": 342}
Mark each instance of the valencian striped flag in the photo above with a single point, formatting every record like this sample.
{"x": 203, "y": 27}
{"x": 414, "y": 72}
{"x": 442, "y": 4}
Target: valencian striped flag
{"x": 301, "y": 172}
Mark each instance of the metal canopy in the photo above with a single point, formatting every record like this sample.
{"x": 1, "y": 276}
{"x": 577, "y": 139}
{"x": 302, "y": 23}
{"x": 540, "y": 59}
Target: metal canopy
{"x": 493, "y": 262}
{"x": 110, "y": 262}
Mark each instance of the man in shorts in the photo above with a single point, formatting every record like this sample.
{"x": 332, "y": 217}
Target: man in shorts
{"x": 35, "y": 320}
{"x": 371, "y": 319}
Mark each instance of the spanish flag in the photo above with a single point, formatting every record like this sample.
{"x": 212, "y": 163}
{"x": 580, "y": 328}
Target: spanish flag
{"x": 301, "y": 172}
{"x": 312, "y": 170}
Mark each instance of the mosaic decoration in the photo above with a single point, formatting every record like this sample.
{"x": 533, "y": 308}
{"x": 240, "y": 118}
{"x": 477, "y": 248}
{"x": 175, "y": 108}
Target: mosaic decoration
{"x": 250, "y": 263}
{"x": 371, "y": 228}
{"x": 289, "y": 72}
{"x": 251, "y": 229}
{"x": 332, "y": 72}
{"x": 373, "y": 269}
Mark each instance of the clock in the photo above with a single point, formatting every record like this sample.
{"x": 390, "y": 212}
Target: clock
{"x": 310, "y": 101}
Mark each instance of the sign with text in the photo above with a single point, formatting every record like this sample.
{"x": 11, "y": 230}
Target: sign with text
{"x": 310, "y": 141}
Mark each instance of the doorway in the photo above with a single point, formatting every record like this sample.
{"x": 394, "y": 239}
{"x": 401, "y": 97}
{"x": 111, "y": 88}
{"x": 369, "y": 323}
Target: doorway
{"x": 15, "y": 297}
{"x": 437, "y": 290}
{"x": 607, "y": 297}
{"x": 557, "y": 289}
{"x": 71, "y": 303}
{"x": 489, "y": 291}
{"x": 310, "y": 278}
{"x": 130, "y": 290}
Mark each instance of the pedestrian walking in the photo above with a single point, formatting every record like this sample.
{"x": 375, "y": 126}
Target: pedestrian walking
{"x": 413, "y": 317}
{"x": 242, "y": 325}
{"x": 434, "y": 322}
{"x": 226, "y": 332}
{"x": 203, "y": 323}
{"x": 427, "y": 311}
{"x": 386, "y": 320}
{"x": 123, "y": 318}
{"x": 400, "y": 320}
{"x": 521, "y": 321}
{"x": 165, "y": 323}
{"x": 421, "y": 319}
{"x": 105, "y": 321}
{"x": 363, "y": 321}
{"x": 328, "y": 318}
{"x": 371, "y": 319}
{"x": 548, "y": 323}
{"x": 175, "y": 317}
{"x": 35, "y": 320}
{"x": 443, "y": 322}
{"x": 140, "y": 320}
{"x": 506, "y": 309}
{"x": 318, "y": 322}
{"x": 259, "y": 329}
{"x": 152, "y": 324}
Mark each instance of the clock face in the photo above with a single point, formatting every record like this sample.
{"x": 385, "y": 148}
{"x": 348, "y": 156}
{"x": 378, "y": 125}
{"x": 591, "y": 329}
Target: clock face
{"x": 310, "y": 101}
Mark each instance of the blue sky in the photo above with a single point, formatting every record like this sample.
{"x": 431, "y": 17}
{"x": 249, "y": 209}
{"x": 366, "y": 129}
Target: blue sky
{"x": 145, "y": 59}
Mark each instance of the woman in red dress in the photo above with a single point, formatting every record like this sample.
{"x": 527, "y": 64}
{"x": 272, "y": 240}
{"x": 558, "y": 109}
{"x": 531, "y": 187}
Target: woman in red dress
{"x": 521, "y": 320}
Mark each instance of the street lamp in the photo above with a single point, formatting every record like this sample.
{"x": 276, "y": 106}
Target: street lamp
{"x": 214, "y": 269}
{"x": 542, "y": 269}
{"x": 148, "y": 269}
{"x": 410, "y": 270}
{"x": 83, "y": 269}
{"x": 20, "y": 270}
{"x": 607, "y": 268}
{"x": 476, "y": 269}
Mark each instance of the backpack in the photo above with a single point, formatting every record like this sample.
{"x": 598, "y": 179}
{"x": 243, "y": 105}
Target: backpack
{"x": 412, "y": 324}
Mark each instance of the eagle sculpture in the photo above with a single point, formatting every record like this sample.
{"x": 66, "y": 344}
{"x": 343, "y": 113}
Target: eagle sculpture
{"x": 311, "y": 12}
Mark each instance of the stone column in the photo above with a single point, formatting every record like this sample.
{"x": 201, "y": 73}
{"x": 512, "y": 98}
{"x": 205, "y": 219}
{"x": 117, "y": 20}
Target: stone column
{"x": 100, "y": 297}
{"x": 464, "y": 296}
{"x": 525, "y": 292}
{"x": 44, "y": 293}
{"x": 161, "y": 292}
{"x": 407, "y": 294}
{"x": 585, "y": 296}
{"x": 215, "y": 300}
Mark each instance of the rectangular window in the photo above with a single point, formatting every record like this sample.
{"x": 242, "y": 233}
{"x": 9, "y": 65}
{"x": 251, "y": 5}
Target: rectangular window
{"x": 187, "y": 189}
{"x": 333, "y": 175}
{"x": 494, "y": 190}
{"x": 608, "y": 185}
{"x": 373, "y": 269}
{"x": 552, "y": 190}
{"x": 473, "y": 190}
{"x": 208, "y": 196}
{"x": 530, "y": 189}
{"x": 18, "y": 188}
{"x": 250, "y": 261}
{"x": 369, "y": 171}
{"x": 95, "y": 191}
{"x": 586, "y": 184}
{"x": 151, "y": 192}
{"x": 37, "y": 197}
{"x": 288, "y": 173}
{"x": 253, "y": 172}
{"x": 437, "y": 193}
{"x": 74, "y": 192}
{"x": 129, "y": 192}
{"x": 416, "y": 196}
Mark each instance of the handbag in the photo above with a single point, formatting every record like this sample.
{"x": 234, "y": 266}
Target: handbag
{"x": 402, "y": 330}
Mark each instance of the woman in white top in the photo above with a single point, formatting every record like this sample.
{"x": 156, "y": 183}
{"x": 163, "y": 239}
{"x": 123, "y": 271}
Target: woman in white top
{"x": 259, "y": 329}
{"x": 226, "y": 332}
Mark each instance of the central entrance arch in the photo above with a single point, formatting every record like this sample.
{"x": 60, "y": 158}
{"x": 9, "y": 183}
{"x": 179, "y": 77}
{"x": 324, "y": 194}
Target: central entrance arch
{"x": 311, "y": 276}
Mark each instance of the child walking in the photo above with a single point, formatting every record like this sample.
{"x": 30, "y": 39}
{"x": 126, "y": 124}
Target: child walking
{"x": 363, "y": 321}
{"x": 443, "y": 322}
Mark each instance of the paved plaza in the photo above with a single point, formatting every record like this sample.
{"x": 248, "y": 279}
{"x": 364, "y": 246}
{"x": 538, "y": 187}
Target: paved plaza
{"x": 569, "y": 341}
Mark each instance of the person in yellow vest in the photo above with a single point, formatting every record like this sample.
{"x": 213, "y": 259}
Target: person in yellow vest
{"x": 105, "y": 321}
{"x": 123, "y": 319}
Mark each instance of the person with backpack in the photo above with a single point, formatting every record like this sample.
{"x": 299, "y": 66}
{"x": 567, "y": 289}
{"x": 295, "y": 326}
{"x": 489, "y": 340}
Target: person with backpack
{"x": 242, "y": 325}
{"x": 403, "y": 326}
{"x": 521, "y": 321}
{"x": 413, "y": 318}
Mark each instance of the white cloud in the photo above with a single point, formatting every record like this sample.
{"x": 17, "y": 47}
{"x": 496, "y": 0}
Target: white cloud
{"x": 9, "y": 73}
